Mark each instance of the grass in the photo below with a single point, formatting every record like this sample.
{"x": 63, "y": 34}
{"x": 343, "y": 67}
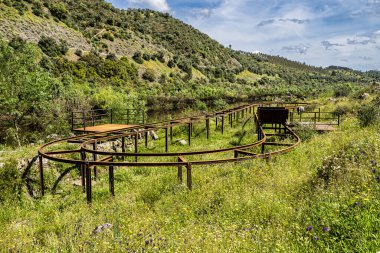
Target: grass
{"x": 321, "y": 197}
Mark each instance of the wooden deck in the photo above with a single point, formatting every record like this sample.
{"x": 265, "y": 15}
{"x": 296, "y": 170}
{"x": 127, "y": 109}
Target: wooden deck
{"x": 103, "y": 128}
{"x": 318, "y": 126}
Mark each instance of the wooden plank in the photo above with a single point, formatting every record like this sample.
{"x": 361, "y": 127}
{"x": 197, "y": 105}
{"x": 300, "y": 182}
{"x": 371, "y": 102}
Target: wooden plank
{"x": 104, "y": 128}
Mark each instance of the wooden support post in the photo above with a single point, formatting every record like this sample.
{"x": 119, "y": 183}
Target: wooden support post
{"x": 208, "y": 128}
{"x": 242, "y": 113}
{"x": 189, "y": 179}
{"x": 112, "y": 179}
{"x": 166, "y": 140}
{"x": 223, "y": 124}
{"x": 136, "y": 146}
{"x": 236, "y": 154}
{"x": 94, "y": 147}
{"x": 41, "y": 175}
{"x": 189, "y": 133}
{"x": 83, "y": 171}
{"x": 262, "y": 148}
{"x": 88, "y": 182}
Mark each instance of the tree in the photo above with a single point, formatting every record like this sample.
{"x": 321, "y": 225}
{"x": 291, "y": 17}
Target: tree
{"x": 25, "y": 89}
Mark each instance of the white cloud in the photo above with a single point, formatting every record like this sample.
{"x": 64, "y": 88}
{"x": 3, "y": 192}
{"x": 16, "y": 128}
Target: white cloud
{"x": 159, "y": 5}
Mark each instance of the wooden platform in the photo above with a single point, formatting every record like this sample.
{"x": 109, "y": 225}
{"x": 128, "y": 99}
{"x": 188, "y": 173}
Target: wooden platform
{"x": 318, "y": 126}
{"x": 103, "y": 128}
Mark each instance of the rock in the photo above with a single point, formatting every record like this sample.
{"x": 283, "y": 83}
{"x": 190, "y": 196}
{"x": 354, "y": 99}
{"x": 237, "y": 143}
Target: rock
{"x": 364, "y": 96}
{"x": 181, "y": 142}
{"x": 153, "y": 135}
{"x": 52, "y": 137}
{"x": 101, "y": 228}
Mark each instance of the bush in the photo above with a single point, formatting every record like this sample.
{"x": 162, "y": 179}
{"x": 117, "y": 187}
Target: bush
{"x": 149, "y": 75}
{"x": 368, "y": 115}
{"x": 58, "y": 10}
{"x": 137, "y": 58}
{"x": 10, "y": 181}
{"x": 51, "y": 48}
{"x": 342, "y": 90}
{"x": 341, "y": 110}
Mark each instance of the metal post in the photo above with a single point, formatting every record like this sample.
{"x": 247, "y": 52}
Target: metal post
{"x": 171, "y": 132}
{"x": 189, "y": 133}
{"x": 223, "y": 124}
{"x": 180, "y": 177}
{"x": 338, "y": 120}
{"x": 94, "y": 147}
{"x": 72, "y": 121}
{"x": 216, "y": 122}
{"x": 189, "y": 180}
{"x": 146, "y": 139}
{"x": 207, "y": 127}
{"x": 111, "y": 116}
{"x": 166, "y": 140}
{"x": 84, "y": 121}
{"x": 262, "y": 148}
{"x": 123, "y": 146}
{"x": 41, "y": 175}
{"x": 136, "y": 146}
{"x": 83, "y": 171}
{"x": 231, "y": 121}
{"x": 143, "y": 116}
{"x": 88, "y": 182}
{"x": 112, "y": 179}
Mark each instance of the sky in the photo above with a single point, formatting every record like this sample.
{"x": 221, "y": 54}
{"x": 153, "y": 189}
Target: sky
{"x": 317, "y": 32}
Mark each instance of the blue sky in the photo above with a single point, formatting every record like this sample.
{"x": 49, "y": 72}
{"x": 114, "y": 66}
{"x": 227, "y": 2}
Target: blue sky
{"x": 320, "y": 33}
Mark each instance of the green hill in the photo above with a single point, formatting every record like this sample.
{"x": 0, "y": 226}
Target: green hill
{"x": 96, "y": 55}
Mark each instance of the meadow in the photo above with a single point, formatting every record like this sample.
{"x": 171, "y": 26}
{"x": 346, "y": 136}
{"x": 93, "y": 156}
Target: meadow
{"x": 321, "y": 197}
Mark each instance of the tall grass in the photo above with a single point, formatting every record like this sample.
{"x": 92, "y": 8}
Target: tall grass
{"x": 321, "y": 197}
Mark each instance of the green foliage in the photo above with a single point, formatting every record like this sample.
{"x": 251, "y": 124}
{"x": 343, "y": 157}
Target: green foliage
{"x": 368, "y": 114}
{"x": 51, "y": 48}
{"x": 149, "y": 75}
{"x": 10, "y": 181}
{"x": 342, "y": 90}
{"x": 58, "y": 10}
{"x": 138, "y": 58}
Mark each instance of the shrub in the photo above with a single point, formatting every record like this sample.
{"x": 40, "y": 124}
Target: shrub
{"x": 341, "y": 110}
{"x": 78, "y": 52}
{"x": 58, "y": 10}
{"x": 368, "y": 115}
{"x": 137, "y": 58}
{"x": 149, "y": 75}
{"x": 342, "y": 90}
{"x": 9, "y": 181}
{"x": 51, "y": 48}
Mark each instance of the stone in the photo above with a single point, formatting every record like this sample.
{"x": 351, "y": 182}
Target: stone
{"x": 153, "y": 135}
{"x": 181, "y": 142}
{"x": 101, "y": 228}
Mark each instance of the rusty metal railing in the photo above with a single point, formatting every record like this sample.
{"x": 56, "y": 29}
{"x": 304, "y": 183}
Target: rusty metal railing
{"x": 91, "y": 157}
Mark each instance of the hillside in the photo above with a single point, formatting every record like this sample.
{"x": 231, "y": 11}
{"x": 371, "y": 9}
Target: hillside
{"x": 95, "y": 55}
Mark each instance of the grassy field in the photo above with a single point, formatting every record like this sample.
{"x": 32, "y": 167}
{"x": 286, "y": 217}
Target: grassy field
{"x": 322, "y": 197}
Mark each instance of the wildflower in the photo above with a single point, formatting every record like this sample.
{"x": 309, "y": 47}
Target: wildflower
{"x": 357, "y": 203}
{"x": 309, "y": 228}
{"x": 378, "y": 179}
{"x": 326, "y": 229}
{"x": 373, "y": 163}
{"x": 373, "y": 171}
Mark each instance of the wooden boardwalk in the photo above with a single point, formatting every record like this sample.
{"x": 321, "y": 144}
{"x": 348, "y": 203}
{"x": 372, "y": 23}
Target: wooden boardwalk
{"x": 321, "y": 127}
{"x": 103, "y": 128}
